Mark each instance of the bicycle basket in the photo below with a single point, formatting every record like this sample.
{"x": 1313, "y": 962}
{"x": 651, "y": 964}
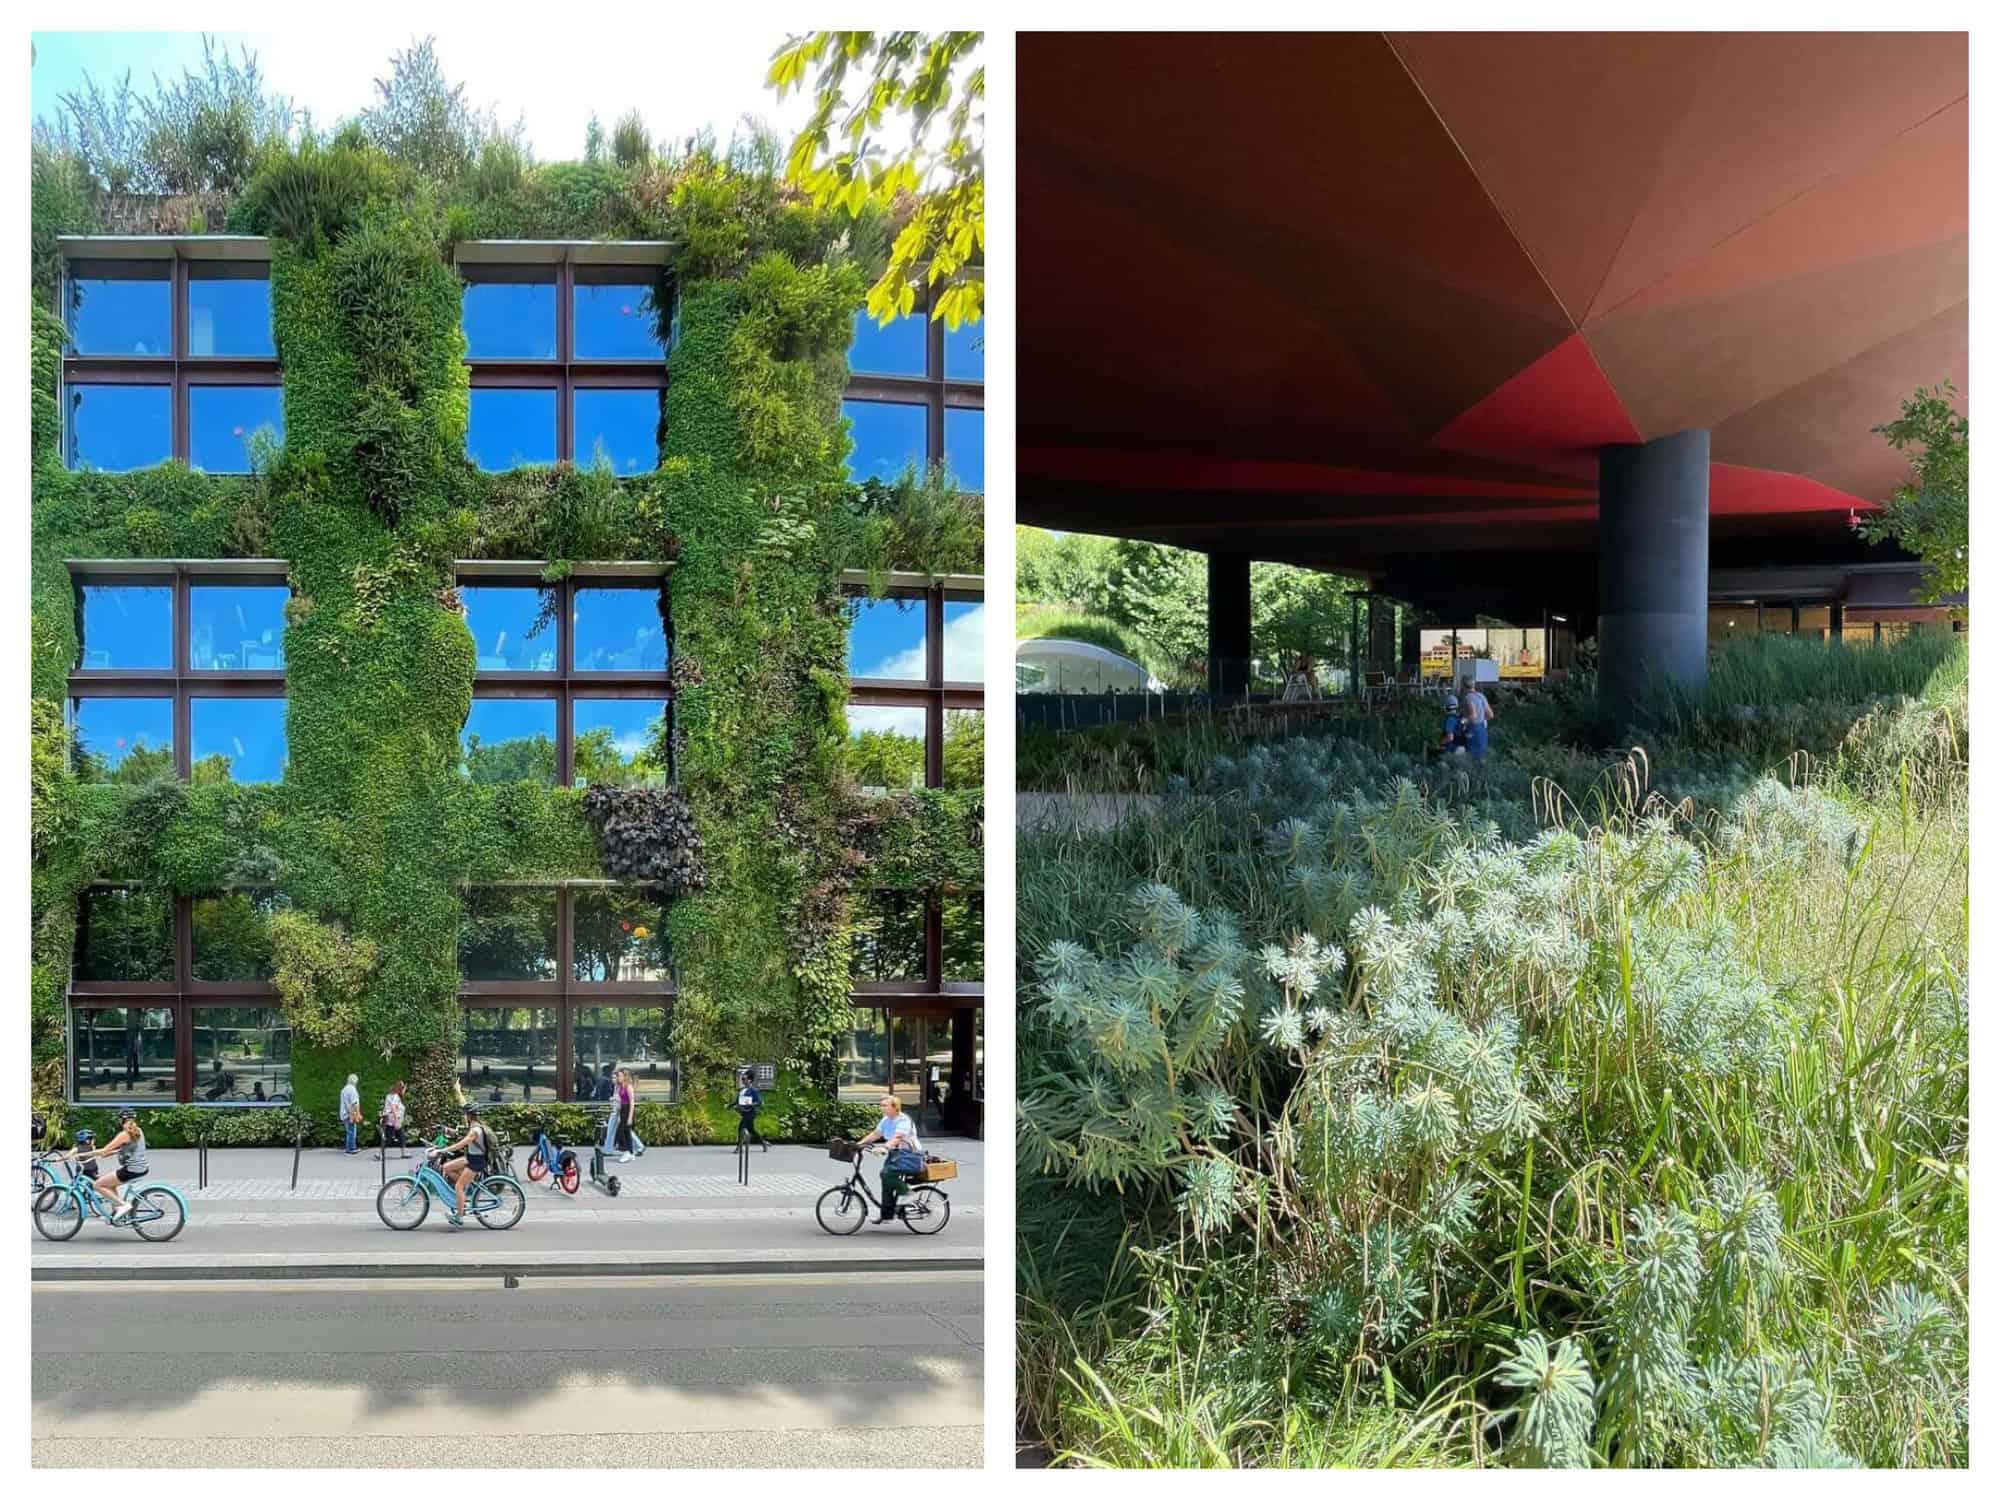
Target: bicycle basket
{"x": 936, "y": 1169}
{"x": 843, "y": 1150}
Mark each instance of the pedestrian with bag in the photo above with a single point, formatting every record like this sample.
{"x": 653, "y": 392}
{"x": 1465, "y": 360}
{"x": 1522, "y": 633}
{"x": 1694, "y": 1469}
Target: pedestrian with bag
{"x": 748, "y": 1102}
{"x": 897, "y": 1133}
{"x": 350, "y": 1114}
{"x": 391, "y": 1123}
{"x": 626, "y": 1104}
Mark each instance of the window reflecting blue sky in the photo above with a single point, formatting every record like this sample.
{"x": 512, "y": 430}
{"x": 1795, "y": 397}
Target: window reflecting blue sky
{"x": 118, "y": 315}
{"x": 511, "y": 427}
{"x": 965, "y": 352}
{"x": 229, "y": 315}
{"x": 618, "y": 630}
{"x": 502, "y": 619}
{"x": 620, "y": 727}
{"x": 117, "y": 426}
{"x": 625, "y": 423}
{"x": 510, "y": 319}
{"x": 247, "y": 734}
{"x": 127, "y": 626}
{"x": 895, "y": 350}
{"x": 108, "y": 730}
{"x": 509, "y": 739}
{"x": 964, "y": 640}
{"x": 237, "y": 627}
{"x": 965, "y": 446}
{"x": 221, "y": 419}
{"x": 888, "y": 437}
{"x": 886, "y": 639}
{"x": 616, "y": 322}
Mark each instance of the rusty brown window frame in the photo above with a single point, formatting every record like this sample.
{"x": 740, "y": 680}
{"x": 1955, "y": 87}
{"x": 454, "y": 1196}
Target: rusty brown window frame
{"x": 932, "y": 390}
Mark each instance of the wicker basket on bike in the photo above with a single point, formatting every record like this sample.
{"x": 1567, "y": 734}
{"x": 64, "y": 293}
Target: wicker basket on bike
{"x": 843, "y": 1150}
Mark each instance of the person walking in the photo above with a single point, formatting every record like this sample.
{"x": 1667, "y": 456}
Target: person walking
{"x": 626, "y": 1103}
{"x": 393, "y": 1115}
{"x": 898, "y": 1134}
{"x": 1453, "y": 737}
{"x": 350, "y": 1114}
{"x": 1478, "y": 714}
{"x": 748, "y": 1102}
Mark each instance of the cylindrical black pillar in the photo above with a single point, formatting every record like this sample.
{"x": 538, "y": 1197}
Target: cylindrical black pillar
{"x": 1228, "y": 623}
{"x": 1652, "y": 569}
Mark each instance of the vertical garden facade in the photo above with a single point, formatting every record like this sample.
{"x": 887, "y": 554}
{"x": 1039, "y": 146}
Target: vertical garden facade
{"x": 485, "y": 662}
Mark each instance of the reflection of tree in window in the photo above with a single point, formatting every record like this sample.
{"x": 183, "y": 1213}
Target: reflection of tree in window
{"x": 599, "y": 762}
{"x": 964, "y": 748}
{"x": 232, "y": 938}
{"x": 125, "y": 934}
{"x": 507, "y": 934}
{"x": 964, "y": 933}
{"x": 889, "y": 941}
{"x": 886, "y": 759}
{"x": 619, "y": 935}
{"x": 118, "y": 1052}
{"x": 530, "y": 758}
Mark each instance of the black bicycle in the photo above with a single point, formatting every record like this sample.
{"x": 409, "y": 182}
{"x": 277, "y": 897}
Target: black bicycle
{"x": 843, "y": 1210}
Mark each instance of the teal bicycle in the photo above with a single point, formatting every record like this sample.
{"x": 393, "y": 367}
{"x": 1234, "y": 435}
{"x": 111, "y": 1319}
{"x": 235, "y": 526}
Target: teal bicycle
{"x": 158, "y": 1212}
{"x": 493, "y": 1198}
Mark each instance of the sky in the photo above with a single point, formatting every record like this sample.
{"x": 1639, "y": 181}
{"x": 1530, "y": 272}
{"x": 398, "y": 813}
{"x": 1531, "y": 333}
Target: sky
{"x": 555, "y": 83}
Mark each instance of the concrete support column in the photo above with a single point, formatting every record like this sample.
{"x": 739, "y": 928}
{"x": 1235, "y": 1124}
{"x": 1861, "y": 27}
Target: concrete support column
{"x": 1228, "y": 623}
{"x": 1652, "y": 568}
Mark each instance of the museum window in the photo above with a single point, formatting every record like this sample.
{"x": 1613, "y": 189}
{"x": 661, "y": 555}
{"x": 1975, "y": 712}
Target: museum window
{"x": 916, "y": 396}
{"x": 170, "y": 353}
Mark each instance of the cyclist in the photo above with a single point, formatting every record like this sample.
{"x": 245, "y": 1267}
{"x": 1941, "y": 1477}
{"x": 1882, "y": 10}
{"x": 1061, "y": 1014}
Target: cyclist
{"x": 130, "y": 1144}
{"x": 748, "y": 1102}
{"x": 898, "y": 1133}
{"x": 480, "y": 1149}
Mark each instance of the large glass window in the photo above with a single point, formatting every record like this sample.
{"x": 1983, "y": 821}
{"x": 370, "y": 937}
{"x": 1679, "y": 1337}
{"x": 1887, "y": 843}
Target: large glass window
{"x": 964, "y": 925}
{"x": 864, "y": 1058}
{"x": 237, "y": 627}
{"x": 121, "y": 1054}
{"x": 965, "y": 352}
{"x": 507, "y": 933}
{"x": 617, "y": 428}
{"x": 126, "y": 740}
{"x": 509, "y": 739}
{"x": 889, "y": 936}
{"x": 886, "y": 638}
{"x": 618, "y": 630}
{"x": 119, "y": 308}
{"x": 617, "y": 315}
{"x": 886, "y": 746}
{"x": 897, "y": 349}
{"x": 242, "y": 1054}
{"x": 964, "y": 640}
{"x": 619, "y": 741}
{"x": 117, "y": 427}
{"x": 964, "y": 749}
{"x": 513, "y": 626}
{"x": 510, "y": 313}
{"x": 605, "y": 1038}
{"x": 237, "y": 739}
{"x": 509, "y": 1054}
{"x": 229, "y": 309}
{"x": 965, "y": 446}
{"x": 222, "y": 419}
{"x": 125, "y": 934}
{"x": 908, "y": 1058}
{"x": 888, "y": 438}
{"x": 127, "y": 627}
{"x": 232, "y": 935}
{"x": 511, "y": 426}
{"x": 618, "y": 937}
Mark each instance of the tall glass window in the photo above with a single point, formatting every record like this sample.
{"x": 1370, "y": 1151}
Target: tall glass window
{"x": 619, "y": 741}
{"x": 964, "y": 927}
{"x": 509, "y": 739}
{"x": 889, "y": 936}
{"x": 507, "y": 933}
{"x": 119, "y": 308}
{"x": 509, "y": 312}
{"x": 126, "y": 626}
{"x": 125, "y": 740}
{"x": 618, "y": 428}
{"x": 232, "y": 935}
{"x": 864, "y": 1057}
{"x": 222, "y": 419}
{"x": 237, "y": 739}
{"x": 121, "y": 1054}
{"x": 618, "y": 314}
{"x": 509, "y": 1054}
{"x": 513, "y": 626}
{"x": 886, "y": 638}
{"x": 965, "y": 446}
{"x": 125, "y": 934}
{"x": 888, "y": 438}
{"x": 618, "y": 630}
{"x": 229, "y": 309}
{"x": 964, "y": 640}
{"x": 242, "y": 1054}
{"x": 897, "y": 349}
{"x": 237, "y": 627}
{"x": 117, "y": 427}
{"x": 965, "y": 352}
{"x": 634, "y": 1037}
{"x": 618, "y": 937}
{"x": 511, "y": 426}
{"x": 886, "y": 747}
{"x": 964, "y": 749}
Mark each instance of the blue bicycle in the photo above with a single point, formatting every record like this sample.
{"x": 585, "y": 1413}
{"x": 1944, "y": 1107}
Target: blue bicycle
{"x": 556, "y": 1163}
{"x": 158, "y": 1211}
{"x": 493, "y": 1198}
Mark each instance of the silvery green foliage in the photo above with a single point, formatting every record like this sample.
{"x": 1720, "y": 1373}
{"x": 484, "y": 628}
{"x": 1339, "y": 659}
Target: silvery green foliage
{"x": 1208, "y": 1192}
{"x": 1912, "y": 1334}
{"x": 1745, "y": 1261}
{"x": 1553, "y": 1418}
{"x": 1650, "y": 1385}
{"x": 1748, "y": 1404}
{"x": 1719, "y": 1018}
{"x": 1784, "y": 828}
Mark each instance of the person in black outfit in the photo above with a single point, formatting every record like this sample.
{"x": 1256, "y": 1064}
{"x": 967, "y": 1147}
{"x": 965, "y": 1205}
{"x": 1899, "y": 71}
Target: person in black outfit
{"x": 748, "y": 1102}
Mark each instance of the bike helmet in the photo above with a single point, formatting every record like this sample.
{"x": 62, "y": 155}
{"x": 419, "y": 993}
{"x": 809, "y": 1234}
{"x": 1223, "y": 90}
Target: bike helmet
{"x": 86, "y": 1137}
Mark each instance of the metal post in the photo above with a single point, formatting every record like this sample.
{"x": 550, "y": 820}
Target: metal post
{"x": 742, "y": 1161}
{"x": 298, "y": 1143}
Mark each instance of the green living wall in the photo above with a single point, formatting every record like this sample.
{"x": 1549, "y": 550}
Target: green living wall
{"x": 373, "y": 832}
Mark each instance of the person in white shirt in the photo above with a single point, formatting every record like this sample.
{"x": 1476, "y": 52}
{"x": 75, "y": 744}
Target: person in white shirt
{"x": 897, "y": 1134}
{"x": 350, "y": 1114}
{"x": 1478, "y": 713}
{"x": 393, "y": 1116}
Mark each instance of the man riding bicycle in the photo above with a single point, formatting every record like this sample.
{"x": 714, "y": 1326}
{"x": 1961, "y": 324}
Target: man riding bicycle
{"x": 480, "y": 1148}
{"x": 130, "y": 1144}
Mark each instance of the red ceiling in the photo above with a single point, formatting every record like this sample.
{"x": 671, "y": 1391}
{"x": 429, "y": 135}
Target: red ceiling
{"x": 1350, "y": 289}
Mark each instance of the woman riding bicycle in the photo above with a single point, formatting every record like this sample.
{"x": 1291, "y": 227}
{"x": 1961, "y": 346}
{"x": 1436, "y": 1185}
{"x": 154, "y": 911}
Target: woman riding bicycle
{"x": 898, "y": 1133}
{"x": 480, "y": 1150}
{"x": 130, "y": 1144}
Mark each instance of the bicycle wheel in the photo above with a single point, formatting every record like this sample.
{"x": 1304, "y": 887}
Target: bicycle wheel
{"x": 402, "y": 1203}
{"x": 499, "y": 1202}
{"x": 572, "y": 1177}
{"x": 926, "y": 1211}
{"x": 58, "y": 1214}
{"x": 841, "y": 1210}
{"x": 537, "y": 1168}
{"x": 157, "y": 1215}
{"x": 40, "y": 1181}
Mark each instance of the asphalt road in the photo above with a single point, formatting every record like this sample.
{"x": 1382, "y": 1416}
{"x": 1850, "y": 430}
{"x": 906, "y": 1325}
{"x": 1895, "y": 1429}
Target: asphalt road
{"x": 754, "y": 1371}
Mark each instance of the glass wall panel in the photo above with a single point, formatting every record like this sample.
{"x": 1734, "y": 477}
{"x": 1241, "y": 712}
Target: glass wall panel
{"x": 907, "y": 1072}
{"x": 888, "y": 438}
{"x": 634, "y": 1037}
{"x": 885, "y": 638}
{"x": 964, "y": 640}
{"x": 512, "y": 316}
{"x": 223, "y": 418}
{"x": 965, "y": 351}
{"x": 619, "y": 429}
{"x": 618, "y": 630}
{"x": 864, "y": 1057}
{"x": 1815, "y": 620}
{"x": 128, "y": 627}
{"x": 509, "y": 739}
{"x": 125, "y": 934}
{"x": 965, "y": 446}
{"x": 507, "y": 933}
{"x": 897, "y": 349}
{"x": 1728, "y": 621}
{"x": 964, "y": 749}
{"x": 509, "y": 1054}
{"x": 886, "y": 746}
{"x": 119, "y": 308}
{"x": 1519, "y": 654}
{"x": 121, "y": 1054}
{"x": 242, "y": 1054}
{"x": 117, "y": 427}
{"x": 229, "y": 309}
{"x": 617, "y": 315}
{"x": 232, "y": 934}
{"x": 511, "y": 426}
{"x": 237, "y": 739}
{"x": 513, "y": 625}
{"x": 619, "y": 935}
{"x": 889, "y": 936}
{"x": 126, "y": 740}
{"x": 237, "y": 627}
{"x": 964, "y": 921}
{"x": 619, "y": 741}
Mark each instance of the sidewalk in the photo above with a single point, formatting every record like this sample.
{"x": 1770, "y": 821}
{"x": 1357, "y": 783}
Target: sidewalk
{"x": 680, "y": 1210}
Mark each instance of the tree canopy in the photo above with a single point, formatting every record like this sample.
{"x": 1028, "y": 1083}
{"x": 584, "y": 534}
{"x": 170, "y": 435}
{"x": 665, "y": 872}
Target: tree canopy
{"x": 1931, "y": 514}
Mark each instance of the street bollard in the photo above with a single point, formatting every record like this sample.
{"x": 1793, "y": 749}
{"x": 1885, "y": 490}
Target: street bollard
{"x": 298, "y": 1143}
{"x": 742, "y": 1162}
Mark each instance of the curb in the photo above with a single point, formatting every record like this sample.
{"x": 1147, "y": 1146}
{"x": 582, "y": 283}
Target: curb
{"x": 294, "y": 1268}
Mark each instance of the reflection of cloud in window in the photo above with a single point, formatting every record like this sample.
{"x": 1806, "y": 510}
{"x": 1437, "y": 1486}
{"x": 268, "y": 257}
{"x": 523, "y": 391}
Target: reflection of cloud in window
{"x": 882, "y": 719}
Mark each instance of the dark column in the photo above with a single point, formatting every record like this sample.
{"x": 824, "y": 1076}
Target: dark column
{"x": 1652, "y": 568}
{"x": 961, "y": 1116}
{"x": 1228, "y": 623}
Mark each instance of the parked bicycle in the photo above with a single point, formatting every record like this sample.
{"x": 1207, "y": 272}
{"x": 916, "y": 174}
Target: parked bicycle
{"x": 493, "y": 1198}
{"x": 556, "y": 1163}
{"x": 158, "y": 1211}
{"x": 924, "y": 1209}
